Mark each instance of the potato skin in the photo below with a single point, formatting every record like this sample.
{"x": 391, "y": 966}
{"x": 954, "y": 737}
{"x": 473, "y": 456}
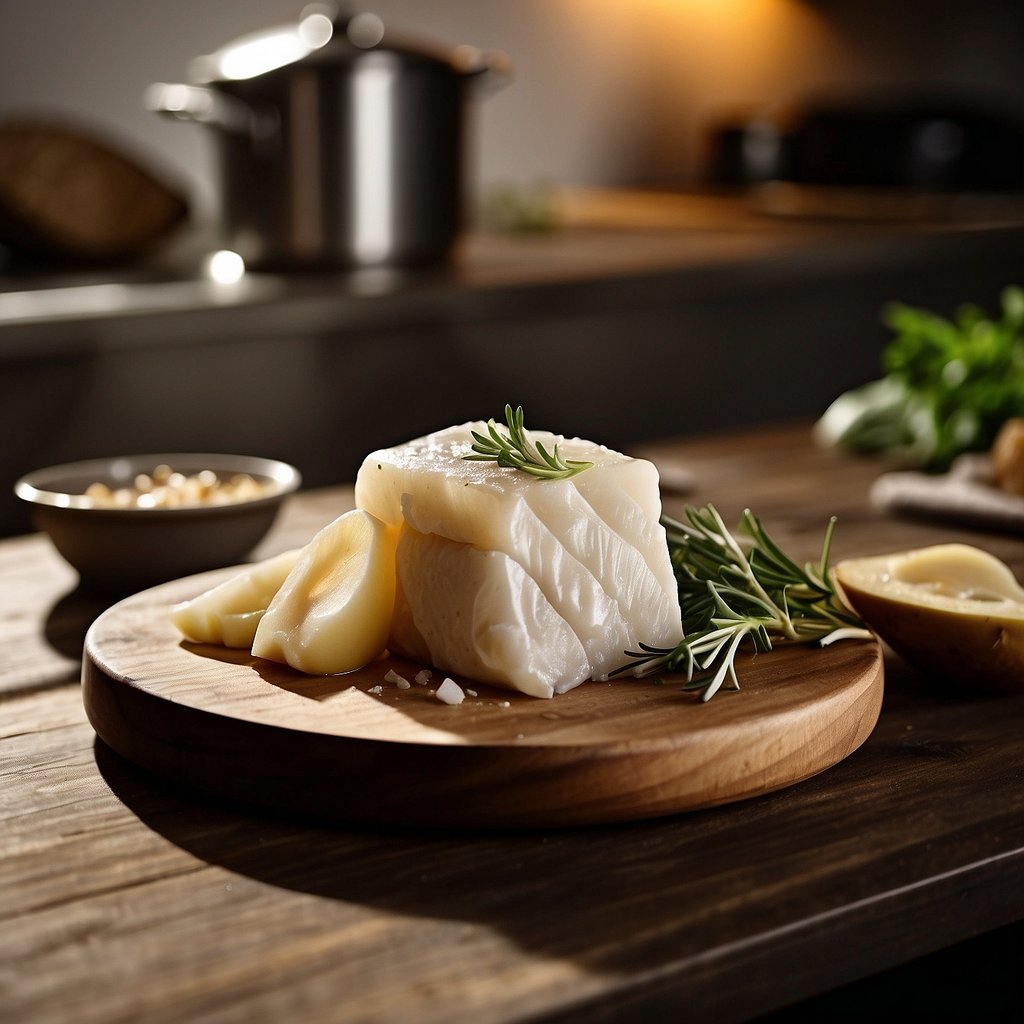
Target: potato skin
{"x": 1008, "y": 456}
{"x": 979, "y": 651}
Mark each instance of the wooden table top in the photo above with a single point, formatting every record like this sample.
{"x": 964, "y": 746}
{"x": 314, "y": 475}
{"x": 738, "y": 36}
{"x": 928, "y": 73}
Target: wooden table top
{"x": 124, "y": 898}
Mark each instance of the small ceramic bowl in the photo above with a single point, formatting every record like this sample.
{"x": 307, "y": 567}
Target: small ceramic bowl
{"x": 123, "y": 549}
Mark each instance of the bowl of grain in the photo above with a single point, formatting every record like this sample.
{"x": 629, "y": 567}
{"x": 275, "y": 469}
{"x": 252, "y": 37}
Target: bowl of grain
{"x": 129, "y": 522}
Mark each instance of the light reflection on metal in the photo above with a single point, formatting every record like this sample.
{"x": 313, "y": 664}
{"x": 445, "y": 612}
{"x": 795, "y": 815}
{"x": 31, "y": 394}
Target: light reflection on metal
{"x": 762, "y": 149}
{"x": 101, "y": 301}
{"x": 181, "y": 99}
{"x": 261, "y": 52}
{"x": 258, "y": 54}
{"x": 225, "y": 267}
{"x": 371, "y": 207}
{"x": 62, "y": 302}
{"x": 316, "y": 26}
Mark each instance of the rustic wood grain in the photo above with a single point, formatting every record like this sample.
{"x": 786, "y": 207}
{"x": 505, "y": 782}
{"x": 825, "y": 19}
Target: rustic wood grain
{"x": 168, "y": 907}
{"x": 125, "y": 898}
{"x": 230, "y": 723}
{"x": 45, "y": 612}
{"x": 42, "y": 617}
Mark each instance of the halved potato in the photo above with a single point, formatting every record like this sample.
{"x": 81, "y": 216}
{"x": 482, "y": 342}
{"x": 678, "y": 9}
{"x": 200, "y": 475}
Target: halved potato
{"x": 951, "y": 610}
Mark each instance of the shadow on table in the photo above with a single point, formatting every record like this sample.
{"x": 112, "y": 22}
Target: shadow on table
{"x": 70, "y": 617}
{"x": 552, "y": 892}
{"x": 699, "y": 899}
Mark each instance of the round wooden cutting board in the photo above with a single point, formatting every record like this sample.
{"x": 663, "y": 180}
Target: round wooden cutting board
{"x": 359, "y": 748}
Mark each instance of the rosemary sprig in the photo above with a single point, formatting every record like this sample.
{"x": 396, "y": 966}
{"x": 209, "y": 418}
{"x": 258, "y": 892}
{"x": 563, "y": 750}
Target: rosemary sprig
{"x": 732, "y": 591}
{"x": 518, "y": 450}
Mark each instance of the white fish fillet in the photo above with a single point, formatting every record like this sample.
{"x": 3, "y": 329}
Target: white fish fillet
{"x": 591, "y": 546}
{"x": 479, "y": 614}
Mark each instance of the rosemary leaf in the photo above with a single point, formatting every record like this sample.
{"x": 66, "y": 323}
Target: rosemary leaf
{"x": 517, "y": 450}
{"x": 732, "y": 592}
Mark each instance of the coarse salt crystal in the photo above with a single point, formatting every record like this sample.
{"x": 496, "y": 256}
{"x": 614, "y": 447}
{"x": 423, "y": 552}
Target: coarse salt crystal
{"x": 470, "y": 693}
{"x": 449, "y": 692}
{"x": 376, "y": 689}
{"x": 423, "y": 676}
{"x": 391, "y": 676}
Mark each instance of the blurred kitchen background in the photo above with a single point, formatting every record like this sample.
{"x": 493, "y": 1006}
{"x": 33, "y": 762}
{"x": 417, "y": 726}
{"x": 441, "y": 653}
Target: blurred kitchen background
{"x": 682, "y": 216}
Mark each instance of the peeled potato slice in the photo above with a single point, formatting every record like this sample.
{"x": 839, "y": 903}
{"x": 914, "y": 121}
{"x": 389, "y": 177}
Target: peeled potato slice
{"x": 951, "y": 610}
{"x": 229, "y": 613}
{"x": 333, "y": 612}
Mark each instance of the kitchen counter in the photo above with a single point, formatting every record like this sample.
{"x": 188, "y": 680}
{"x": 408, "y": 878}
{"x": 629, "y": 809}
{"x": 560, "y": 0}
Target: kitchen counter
{"x": 601, "y": 246}
{"x": 126, "y": 898}
{"x": 718, "y": 315}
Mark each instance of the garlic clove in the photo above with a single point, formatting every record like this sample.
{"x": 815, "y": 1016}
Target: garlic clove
{"x": 229, "y": 613}
{"x": 333, "y": 612}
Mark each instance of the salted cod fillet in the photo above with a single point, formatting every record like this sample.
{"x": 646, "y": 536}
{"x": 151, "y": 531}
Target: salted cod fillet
{"x": 532, "y": 584}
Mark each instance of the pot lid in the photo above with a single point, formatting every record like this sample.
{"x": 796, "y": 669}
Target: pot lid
{"x": 324, "y": 35}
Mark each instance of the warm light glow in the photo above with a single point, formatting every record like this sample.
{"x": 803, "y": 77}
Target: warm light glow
{"x": 711, "y": 8}
{"x": 707, "y": 9}
{"x": 225, "y": 267}
{"x": 678, "y": 68}
{"x": 724, "y": 36}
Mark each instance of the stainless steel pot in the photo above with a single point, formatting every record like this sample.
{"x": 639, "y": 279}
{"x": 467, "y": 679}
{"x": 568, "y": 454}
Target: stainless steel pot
{"x": 340, "y": 145}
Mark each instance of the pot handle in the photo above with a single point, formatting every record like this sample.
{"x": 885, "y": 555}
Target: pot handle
{"x": 491, "y": 67}
{"x": 207, "y": 106}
